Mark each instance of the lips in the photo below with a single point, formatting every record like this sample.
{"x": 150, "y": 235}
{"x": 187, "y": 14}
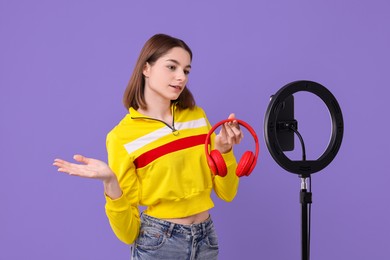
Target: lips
{"x": 176, "y": 87}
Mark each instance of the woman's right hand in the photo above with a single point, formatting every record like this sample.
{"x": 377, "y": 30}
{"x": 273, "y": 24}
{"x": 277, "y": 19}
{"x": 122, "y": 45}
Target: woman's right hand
{"x": 93, "y": 169}
{"x": 88, "y": 168}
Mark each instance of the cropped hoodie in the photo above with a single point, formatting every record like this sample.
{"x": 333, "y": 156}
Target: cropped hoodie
{"x": 163, "y": 168}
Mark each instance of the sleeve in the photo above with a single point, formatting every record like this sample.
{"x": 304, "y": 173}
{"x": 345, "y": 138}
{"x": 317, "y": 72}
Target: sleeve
{"x": 123, "y": 213}
{"x": 225, "y": 187}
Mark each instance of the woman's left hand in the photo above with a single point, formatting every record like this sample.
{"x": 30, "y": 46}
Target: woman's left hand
{"x": 229, "y": 135}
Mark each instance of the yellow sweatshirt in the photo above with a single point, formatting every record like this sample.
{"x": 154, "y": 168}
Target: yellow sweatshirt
{"x": 164, "y": 169}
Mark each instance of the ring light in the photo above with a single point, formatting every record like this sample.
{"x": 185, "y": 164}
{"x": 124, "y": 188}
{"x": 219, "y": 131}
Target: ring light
{"x": 306, "y": 167}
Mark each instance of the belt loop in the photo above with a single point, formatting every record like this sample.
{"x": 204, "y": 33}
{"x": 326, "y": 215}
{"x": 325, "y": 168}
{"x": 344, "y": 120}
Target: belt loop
{"x": 170, "y": 229}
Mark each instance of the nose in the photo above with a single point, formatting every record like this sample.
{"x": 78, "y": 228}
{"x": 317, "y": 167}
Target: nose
{"x": 181, "y": 75}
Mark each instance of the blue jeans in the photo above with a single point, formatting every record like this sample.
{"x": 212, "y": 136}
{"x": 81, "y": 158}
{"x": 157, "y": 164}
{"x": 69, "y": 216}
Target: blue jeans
{"x": 160, "y": 239}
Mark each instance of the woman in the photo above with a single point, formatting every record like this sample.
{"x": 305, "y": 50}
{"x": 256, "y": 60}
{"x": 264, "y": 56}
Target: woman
{"x": 156, "y": 159}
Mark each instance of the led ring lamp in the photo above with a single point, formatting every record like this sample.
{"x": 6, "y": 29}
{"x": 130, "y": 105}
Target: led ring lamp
{"x": 306, "y": 167}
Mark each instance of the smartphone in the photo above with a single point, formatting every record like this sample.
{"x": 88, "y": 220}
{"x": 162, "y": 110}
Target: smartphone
{"x": 285, "y": 118}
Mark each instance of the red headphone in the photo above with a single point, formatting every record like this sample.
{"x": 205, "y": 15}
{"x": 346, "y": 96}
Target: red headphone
{"x": 247, "y": 162}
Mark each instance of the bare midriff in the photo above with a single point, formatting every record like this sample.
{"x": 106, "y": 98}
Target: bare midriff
{"x": 193, "y": 219}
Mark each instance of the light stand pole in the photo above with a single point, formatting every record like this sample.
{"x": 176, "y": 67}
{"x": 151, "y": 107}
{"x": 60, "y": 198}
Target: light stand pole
{"x": 279, "y": 129}
{"x": 305, "y": 199}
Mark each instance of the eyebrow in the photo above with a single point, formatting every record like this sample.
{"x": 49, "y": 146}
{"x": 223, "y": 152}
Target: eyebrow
{"x": 178, "y": 63}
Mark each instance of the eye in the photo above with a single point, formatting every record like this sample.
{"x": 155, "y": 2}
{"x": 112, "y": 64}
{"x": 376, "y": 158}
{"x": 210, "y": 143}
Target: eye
{"x": 186, "y": 72}
{"x": 171, "y": 67}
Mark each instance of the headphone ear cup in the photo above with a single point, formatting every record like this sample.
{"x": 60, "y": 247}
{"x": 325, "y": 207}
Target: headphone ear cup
{"x": 246, "y": 164}
{"x": 212, "y": 165}
{"x": 218, "y": 163}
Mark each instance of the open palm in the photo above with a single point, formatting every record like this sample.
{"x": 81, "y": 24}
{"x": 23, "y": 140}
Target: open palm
{"x": 87, "y": 168}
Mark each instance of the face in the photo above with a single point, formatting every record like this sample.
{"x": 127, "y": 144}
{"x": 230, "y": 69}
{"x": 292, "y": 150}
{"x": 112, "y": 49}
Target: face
{"x": 168, "y": 76}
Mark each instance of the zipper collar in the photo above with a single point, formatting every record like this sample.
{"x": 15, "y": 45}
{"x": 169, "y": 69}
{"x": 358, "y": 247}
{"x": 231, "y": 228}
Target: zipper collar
{"x": 134, "y": 114}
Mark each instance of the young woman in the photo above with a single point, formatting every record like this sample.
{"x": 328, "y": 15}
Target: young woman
{"x": 156, "y": 158}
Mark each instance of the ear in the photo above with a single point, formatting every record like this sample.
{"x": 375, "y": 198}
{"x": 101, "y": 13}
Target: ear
{"x": 146, "y": 69}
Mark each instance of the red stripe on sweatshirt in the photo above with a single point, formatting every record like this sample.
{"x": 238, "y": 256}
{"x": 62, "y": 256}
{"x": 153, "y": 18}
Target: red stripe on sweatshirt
{"x": 183, "y": 143}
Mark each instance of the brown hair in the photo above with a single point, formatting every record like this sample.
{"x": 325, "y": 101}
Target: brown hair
{"x": 157, "y": 46}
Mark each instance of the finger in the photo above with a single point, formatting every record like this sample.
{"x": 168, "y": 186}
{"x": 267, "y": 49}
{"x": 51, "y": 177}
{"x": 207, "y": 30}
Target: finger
{"x": 239, "y": 137}
{"x": 80, "y": 158}
{"x": 235, "y": 127}
{"x": 234, "y": 122}
{"x": 229, "y": 134}
{"x": 236, "y": 133}
{"x": 59, "y": 160}
{"x": 64, "y": 170}
{"x": 74, "y": 169}
{"x": 63, "y": 166}
{"x": 231, "y": 116}
{"x": 222, "y": 132}
{"x": 60, "y": 163}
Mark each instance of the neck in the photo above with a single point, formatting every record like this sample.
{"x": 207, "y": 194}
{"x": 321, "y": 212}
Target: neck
{"x": 157, "y": 107}
{"x": 157, "y": 112}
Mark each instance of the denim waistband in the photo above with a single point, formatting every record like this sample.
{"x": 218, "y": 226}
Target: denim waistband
{"x": 170, "y": 227}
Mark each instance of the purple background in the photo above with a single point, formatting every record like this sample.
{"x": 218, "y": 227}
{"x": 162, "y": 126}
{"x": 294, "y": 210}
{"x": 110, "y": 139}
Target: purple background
{"x": 64, "y": 66}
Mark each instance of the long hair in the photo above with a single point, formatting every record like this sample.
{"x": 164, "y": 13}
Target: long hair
{"x": 157, "y": 46}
